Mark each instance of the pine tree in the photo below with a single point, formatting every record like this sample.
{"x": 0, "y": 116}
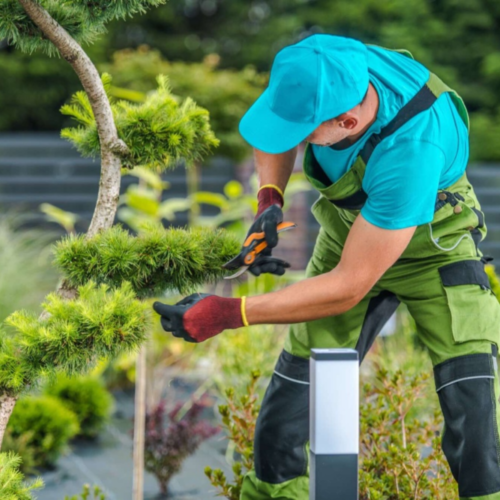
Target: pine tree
{"x": 97, "y": 309}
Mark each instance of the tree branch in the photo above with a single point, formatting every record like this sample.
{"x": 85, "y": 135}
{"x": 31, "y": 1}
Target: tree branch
{"x": 7, "y": 404}
{"x": 112, "y": 148}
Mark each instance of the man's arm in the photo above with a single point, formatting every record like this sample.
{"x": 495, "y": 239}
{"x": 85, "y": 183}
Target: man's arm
{"x": 369, "y": 251}
{"x": 274, "y": 168}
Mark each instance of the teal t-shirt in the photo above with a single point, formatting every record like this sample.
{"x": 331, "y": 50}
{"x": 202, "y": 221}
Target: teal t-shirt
{"x": 428, "y": 153}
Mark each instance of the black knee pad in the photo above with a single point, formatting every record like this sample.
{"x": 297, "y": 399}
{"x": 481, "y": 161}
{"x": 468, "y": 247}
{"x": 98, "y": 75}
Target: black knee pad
{"x": 471, "y": 442}
{"x": 282, "y": 431}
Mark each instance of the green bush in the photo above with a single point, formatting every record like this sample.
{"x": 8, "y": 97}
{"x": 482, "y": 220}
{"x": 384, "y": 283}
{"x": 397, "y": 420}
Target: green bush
{"x": 87, "y": 398}
{"x": 44, "y": 425}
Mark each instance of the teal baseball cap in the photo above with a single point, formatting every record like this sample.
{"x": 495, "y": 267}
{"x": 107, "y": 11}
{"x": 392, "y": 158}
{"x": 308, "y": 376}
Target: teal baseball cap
{"x": 312, "y": 81}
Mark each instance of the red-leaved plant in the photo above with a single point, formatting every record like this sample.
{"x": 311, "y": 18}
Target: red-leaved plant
{"x": 171, "y": 438}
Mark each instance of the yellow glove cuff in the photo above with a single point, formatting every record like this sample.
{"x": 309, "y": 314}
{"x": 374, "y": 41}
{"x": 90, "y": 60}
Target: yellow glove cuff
{"x": 243, "y": 311}
{"x": 274, "y": 187}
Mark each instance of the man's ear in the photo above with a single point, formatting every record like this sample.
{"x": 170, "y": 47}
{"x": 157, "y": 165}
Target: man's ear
{"x": 348, "y": 120}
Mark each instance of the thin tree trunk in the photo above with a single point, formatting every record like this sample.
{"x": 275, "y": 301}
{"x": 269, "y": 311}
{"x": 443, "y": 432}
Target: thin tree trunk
{"x": 7, "y": 404}
{"x": 112, "y": 148}
{"x": 193, "y": 186}
{"x": 139, "y": 424}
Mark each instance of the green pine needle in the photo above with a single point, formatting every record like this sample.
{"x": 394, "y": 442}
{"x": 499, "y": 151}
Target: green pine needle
{"x": 12, "y": 484}
{"x": 99, "y": 323}
{"x": 156, "y": 261}
{"x": 160, "y": 132}
{"x": 84, "y": 21}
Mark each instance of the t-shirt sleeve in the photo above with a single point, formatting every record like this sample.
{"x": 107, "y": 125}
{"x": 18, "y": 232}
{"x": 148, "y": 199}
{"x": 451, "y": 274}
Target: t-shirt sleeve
{"x": 401, "y": 181}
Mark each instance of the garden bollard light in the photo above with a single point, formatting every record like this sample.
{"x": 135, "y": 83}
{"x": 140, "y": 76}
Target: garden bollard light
{"x": 334, "y": 424}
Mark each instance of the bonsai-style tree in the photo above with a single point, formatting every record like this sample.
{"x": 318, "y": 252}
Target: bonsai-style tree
{"x": 96, "y": 311}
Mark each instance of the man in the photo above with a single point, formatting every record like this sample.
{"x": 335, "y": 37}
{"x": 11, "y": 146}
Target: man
{"x": 387, "y": 150}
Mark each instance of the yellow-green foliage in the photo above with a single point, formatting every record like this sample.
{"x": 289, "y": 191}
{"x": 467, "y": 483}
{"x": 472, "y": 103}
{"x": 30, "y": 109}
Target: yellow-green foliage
{"x": 12, "y": 484}
{"x": 155, "y": 261}
{"x": 87, "y": 398}
{"x": 494, "y": 281}
{"x": 159, "y": 132}
{"x": 45, "y": 425}
{"x": 75, "y": 333}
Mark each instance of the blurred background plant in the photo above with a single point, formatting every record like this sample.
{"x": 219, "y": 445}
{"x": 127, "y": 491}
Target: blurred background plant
{"x": 238, "y": 35}
{"x": 88, "y": 493}
{"x": 25, "y": 276}
{"x": 401, "y": 454}
{"x": 39, "y": 431}
{"x": 225, "y": 93}
{"x": 239, "y": 416}
{"x": 172, "y": 436}
{"x": 87, "y": 398}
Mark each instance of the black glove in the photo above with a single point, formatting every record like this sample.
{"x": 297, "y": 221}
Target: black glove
{"x": 268, "y": 222}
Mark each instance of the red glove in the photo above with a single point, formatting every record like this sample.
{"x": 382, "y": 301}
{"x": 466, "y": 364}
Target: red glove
{"x": 201, "y": 316}
{"x": 268, "y": 195}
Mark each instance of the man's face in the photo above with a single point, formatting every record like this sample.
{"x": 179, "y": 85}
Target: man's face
{"x": 328, "y": 133}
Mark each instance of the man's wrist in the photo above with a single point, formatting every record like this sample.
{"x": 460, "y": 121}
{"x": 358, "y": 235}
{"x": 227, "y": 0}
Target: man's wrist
{"x": 268, "y": 195}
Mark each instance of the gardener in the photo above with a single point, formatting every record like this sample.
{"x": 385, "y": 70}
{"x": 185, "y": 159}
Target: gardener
{"x": 387, "y": 150}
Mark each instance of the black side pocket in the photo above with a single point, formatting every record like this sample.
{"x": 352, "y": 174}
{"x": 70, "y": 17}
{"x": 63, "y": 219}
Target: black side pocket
{"x": 466, "y": 390}
{"x": 282, "y": 431}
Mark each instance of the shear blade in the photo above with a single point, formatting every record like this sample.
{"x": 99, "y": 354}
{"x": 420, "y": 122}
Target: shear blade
{"x": 237, "y": 273}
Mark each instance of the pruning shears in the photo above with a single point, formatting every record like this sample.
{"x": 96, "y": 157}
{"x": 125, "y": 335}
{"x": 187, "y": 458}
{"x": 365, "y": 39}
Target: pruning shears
{"x": 252, "y": 248}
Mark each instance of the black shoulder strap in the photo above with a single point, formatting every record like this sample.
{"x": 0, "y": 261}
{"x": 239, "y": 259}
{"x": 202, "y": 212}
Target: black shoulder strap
{"x": 422, "y": 101}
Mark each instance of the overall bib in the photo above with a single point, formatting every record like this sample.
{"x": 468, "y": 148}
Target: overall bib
{"x": 440, "y": 277}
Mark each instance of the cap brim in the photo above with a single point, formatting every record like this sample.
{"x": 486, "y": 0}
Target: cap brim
{"x": 266, "y": 131}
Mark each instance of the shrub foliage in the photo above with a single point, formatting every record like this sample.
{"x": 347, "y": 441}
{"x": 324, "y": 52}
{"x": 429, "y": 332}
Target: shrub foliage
{"x": 155, "y": 261}
{"x": 87, "y": 398}
{"x": 170, "y": 439}
{"x": 239, "y": 417}
{"x": 401, "y": 453}
{"x": 74, "y": 334}
{"x": 158, "y": 132}
{"x": 12, "y": 484}
{"x": 45, "y": 425}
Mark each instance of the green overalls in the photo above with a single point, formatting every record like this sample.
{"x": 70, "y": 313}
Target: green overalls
{"x": 440, "y": 277}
